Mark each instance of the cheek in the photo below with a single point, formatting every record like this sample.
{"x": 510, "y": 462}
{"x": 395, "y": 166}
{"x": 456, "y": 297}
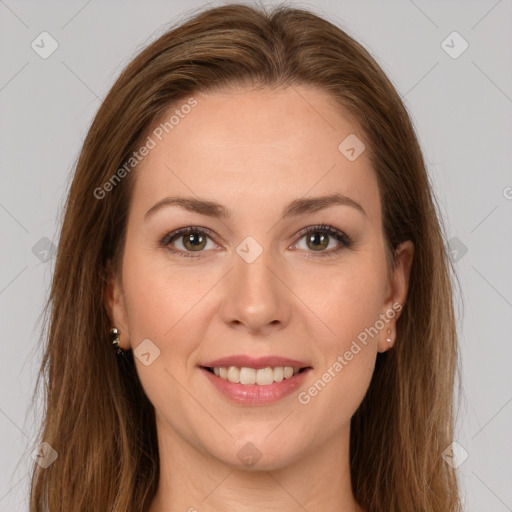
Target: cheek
{"x": 158, "y": 295}
{"x": 159, "y": 304}
{"x": 337, "y": 390}
{"x": 350, "y": 306}
{"x": 347, "y": 354}
{"x": 350, "y": 302}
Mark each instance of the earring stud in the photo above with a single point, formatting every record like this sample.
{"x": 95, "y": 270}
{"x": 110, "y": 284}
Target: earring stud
{"x": 114, "y": 334}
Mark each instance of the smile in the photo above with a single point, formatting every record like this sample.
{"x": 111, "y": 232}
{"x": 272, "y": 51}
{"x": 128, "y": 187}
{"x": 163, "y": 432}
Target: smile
{"x": 250, "y": 376}
{"x": 251, "y": 386}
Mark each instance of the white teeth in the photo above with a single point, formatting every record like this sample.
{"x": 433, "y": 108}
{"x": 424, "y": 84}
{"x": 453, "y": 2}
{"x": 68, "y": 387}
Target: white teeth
{"x": 278, "y": 374}
{"x": 247, "y": 376}
{"x": 264, "y": 376}
{"x": 233, "y": 374}
{"x": 250, "y": 376}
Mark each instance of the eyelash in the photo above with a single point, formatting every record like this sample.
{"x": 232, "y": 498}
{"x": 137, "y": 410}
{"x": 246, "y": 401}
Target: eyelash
{"x": 326, "y": 228}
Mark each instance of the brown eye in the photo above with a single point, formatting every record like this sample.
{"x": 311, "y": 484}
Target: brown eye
{"x": 194, "y": 241}
{"x": 317, "y": 241}
{"x": 319, "y": 238}
{"x": 186, "y": 241}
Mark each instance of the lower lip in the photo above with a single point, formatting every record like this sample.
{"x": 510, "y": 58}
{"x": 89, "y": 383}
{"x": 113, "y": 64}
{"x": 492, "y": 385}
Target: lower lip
{"x": 255, "y": 394}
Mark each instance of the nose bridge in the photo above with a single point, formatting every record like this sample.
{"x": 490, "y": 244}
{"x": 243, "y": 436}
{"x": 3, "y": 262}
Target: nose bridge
{"x": 256, "y": 296}
{"x": 253, "y": 263}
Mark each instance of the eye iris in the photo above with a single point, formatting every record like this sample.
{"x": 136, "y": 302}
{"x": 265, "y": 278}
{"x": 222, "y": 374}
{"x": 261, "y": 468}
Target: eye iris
{"x": 197, "y": 240}
{"x": 314, "y": 237}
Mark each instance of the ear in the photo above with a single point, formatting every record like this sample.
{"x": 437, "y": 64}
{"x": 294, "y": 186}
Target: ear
{"x": 398, "y": 285}
{"x": 116, "y": 306}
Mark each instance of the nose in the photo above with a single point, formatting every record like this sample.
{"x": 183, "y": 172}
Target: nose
{"x": 256, "y": 295}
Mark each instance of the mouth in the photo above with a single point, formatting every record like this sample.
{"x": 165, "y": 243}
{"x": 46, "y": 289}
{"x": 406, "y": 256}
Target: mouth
{"x": 249, "y": 380}
{"x": 248, "y": 386}
{"x": 248, "y": 376}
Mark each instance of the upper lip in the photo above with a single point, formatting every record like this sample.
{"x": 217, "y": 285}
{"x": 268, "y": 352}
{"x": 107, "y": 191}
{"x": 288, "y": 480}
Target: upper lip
{"x": 255, "y": 362}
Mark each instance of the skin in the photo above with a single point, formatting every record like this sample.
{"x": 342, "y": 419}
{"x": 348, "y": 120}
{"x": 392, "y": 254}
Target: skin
{"x": 255, "y": 152}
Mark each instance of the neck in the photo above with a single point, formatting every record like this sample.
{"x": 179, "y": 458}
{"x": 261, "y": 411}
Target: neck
{"x": 193, "y": 481}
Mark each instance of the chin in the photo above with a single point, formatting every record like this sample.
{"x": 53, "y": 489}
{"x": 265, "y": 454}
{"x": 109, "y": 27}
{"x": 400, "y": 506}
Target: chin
{"x": 257, "y": 453}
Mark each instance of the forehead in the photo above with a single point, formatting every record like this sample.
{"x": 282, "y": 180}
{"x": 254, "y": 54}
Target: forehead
{"x": 254, "y": 149}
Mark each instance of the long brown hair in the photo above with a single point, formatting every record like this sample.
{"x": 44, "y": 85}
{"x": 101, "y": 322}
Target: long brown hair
{"x": 96, "y": 414}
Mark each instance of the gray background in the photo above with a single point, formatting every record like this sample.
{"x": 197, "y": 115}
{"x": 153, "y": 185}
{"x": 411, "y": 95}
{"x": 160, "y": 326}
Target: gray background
{"x": 461, "y": 108}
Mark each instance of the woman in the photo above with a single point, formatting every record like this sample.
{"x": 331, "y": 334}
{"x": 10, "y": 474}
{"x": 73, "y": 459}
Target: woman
{"x": 252, "y": 223}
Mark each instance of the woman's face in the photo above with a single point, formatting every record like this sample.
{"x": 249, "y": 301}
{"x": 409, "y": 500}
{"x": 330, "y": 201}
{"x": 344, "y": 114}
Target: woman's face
{"x": 248, "y": 282}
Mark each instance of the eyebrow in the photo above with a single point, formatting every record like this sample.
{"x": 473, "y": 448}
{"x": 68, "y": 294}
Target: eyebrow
{"x": 297, "y": 207}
